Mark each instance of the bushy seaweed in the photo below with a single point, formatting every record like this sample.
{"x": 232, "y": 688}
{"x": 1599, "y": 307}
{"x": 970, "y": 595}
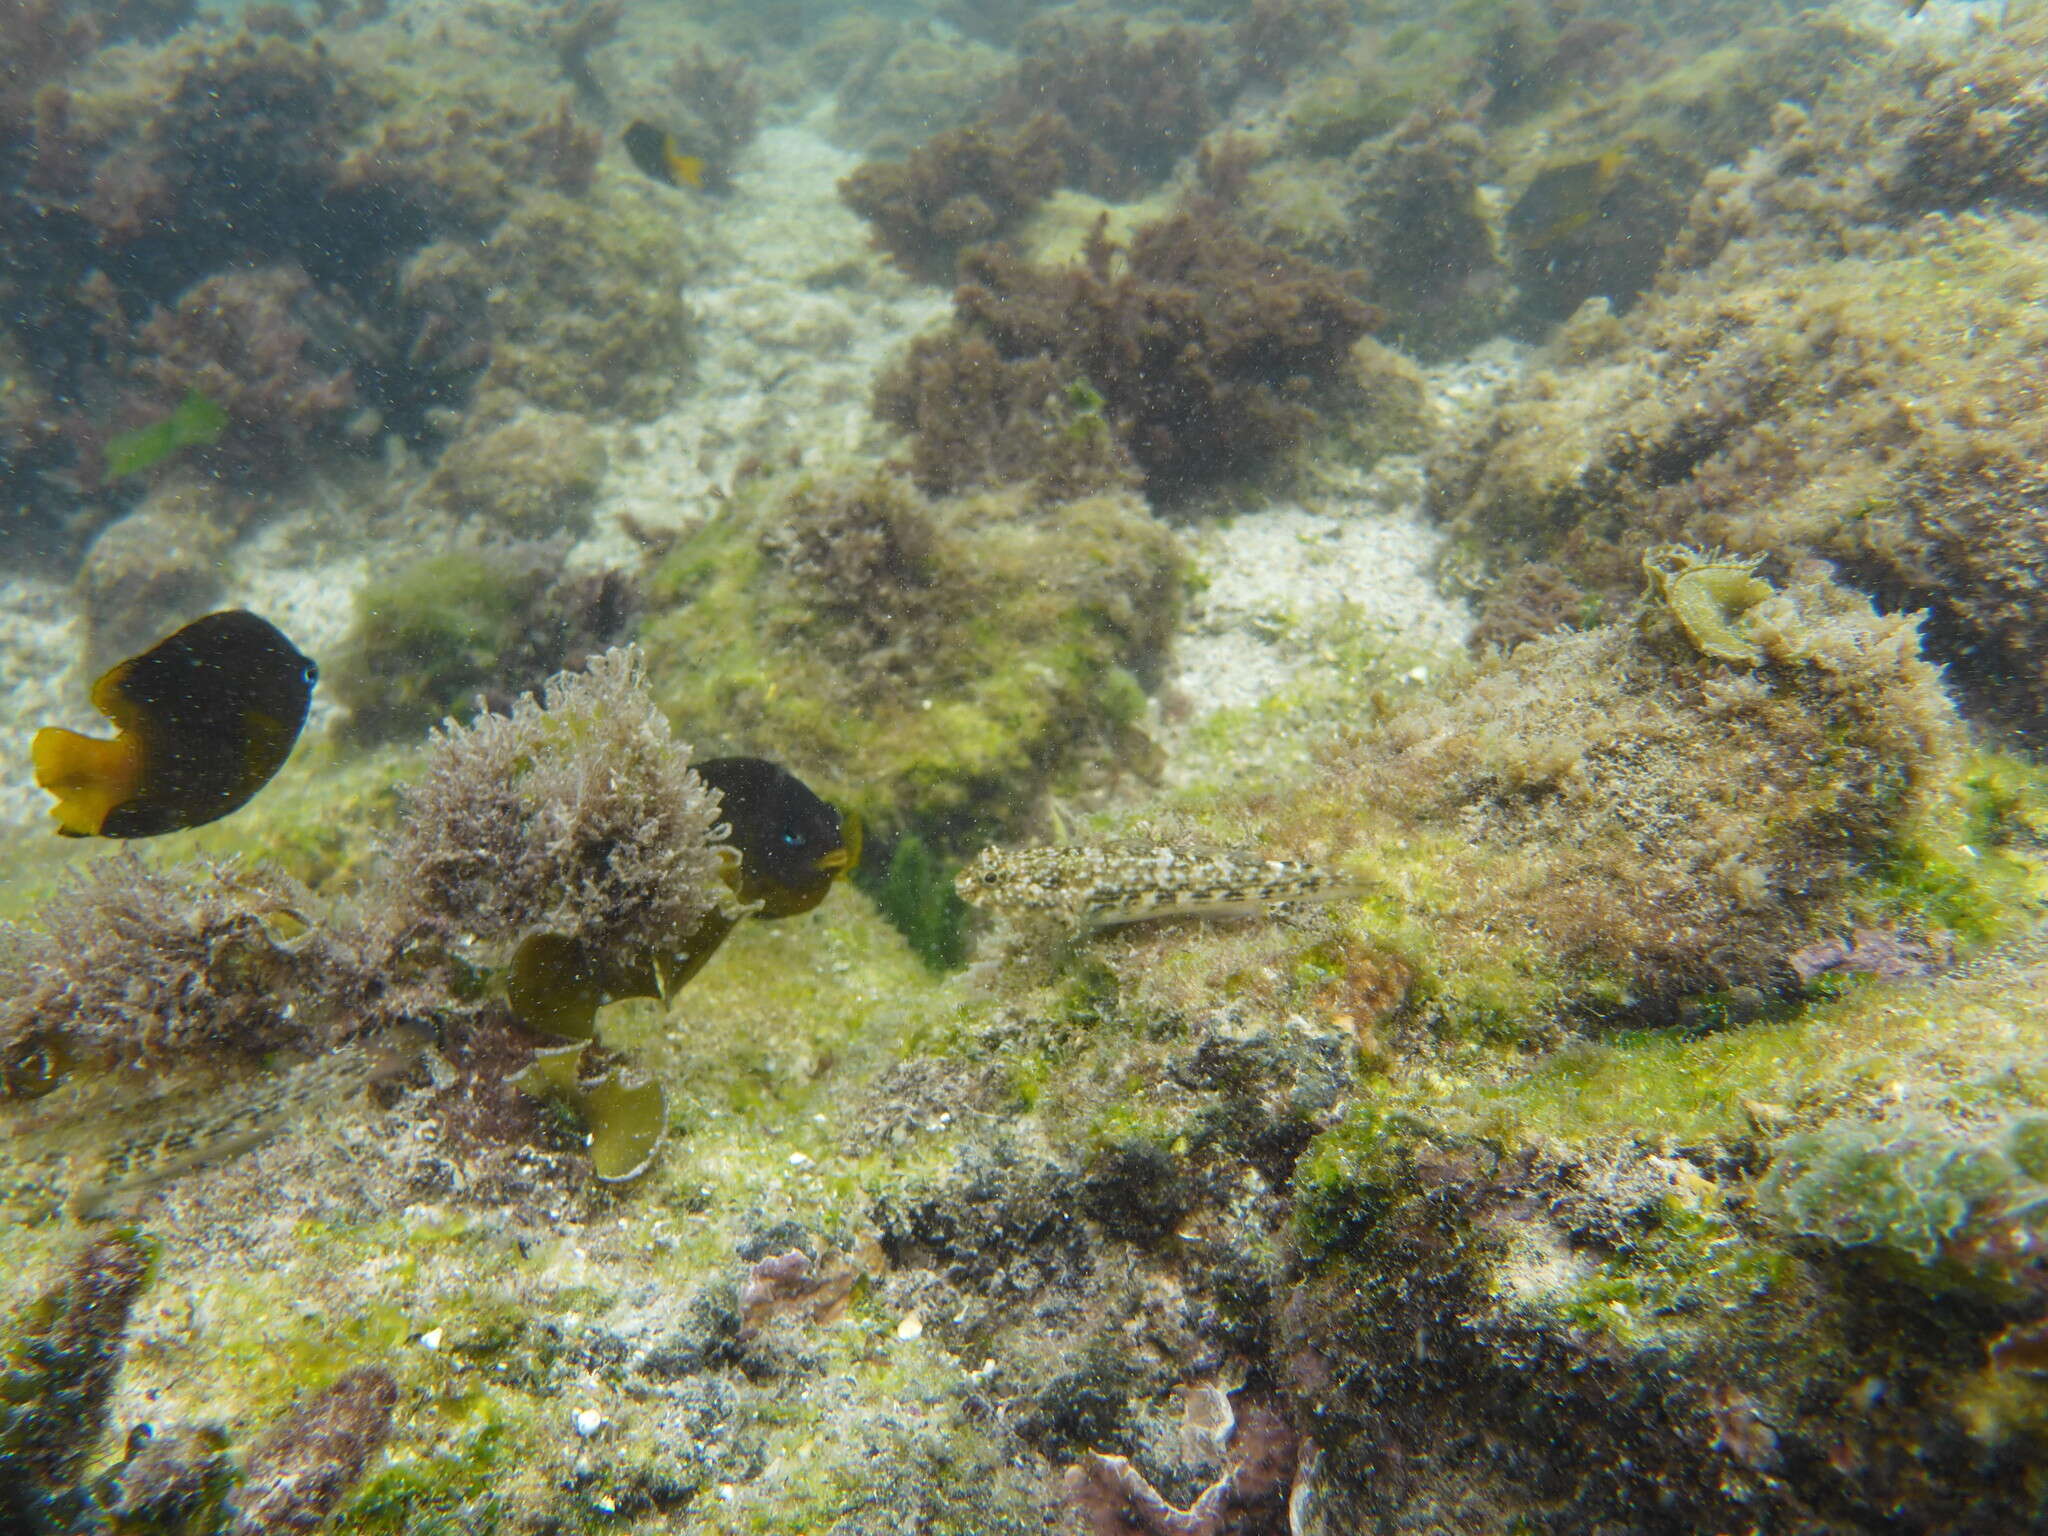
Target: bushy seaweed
{"x": 960, "y": 188}
{"x": 1205, "y": 348}
{"x": 133, "y": 966}
{"x": 576, "y": 814}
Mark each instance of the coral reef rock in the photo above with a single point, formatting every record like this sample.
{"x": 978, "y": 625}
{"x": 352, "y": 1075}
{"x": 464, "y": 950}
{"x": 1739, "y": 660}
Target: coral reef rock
{"x": 1832, "y": 364}
{"x": 933, "y": 664}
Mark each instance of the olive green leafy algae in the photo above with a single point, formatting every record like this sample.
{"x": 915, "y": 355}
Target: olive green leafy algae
{"x": 196, "y": 423}
{"x": 1708, "y": 595}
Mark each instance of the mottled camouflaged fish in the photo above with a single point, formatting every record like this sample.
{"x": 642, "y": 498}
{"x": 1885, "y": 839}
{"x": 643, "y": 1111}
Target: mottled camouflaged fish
{"x": 150, "y": 1143}
{"x": 1096, "y": 887}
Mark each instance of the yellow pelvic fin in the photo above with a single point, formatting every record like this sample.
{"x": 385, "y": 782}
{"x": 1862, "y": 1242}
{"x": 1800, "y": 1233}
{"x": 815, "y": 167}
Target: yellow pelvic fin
{"x": 89, "y": 775}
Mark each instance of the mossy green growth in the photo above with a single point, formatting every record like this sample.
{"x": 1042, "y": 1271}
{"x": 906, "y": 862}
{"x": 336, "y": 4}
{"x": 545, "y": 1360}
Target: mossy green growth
{"x": 586, "y": 297}
{"x": 931, "y": 665}
{"x": 1413, "y": 66}
{"x": 428, "y": 638}
{"x": 1349, "y": 1177}
{"x": 1977, "y": 865}
{"x": 448, "y": 1487}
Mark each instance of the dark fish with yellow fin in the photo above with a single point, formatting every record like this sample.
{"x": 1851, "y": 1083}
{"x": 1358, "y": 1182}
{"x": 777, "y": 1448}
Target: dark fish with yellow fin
{"x": 655, "y": 152}
{"x": 1563, "y": 199}
{"x": 791, "y": 845}
{"x": 205, "y": 719}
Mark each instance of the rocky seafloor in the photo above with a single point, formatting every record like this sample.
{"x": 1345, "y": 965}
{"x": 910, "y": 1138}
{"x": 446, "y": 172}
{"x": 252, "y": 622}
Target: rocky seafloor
{"x": 1572, "y": 475}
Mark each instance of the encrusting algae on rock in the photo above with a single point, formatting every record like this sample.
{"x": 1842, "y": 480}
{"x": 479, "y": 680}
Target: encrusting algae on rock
{"x": 1641, "y": 1133}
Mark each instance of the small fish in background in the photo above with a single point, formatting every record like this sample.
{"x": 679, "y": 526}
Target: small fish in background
{"x": 1098, "y": 887}
{"x": 791, "y": 846}
{"x": 205, "y": 719}
{"x": 655, "y": 152}
{"x": 1563, "y": 199}
{"x": 197, "y": 422}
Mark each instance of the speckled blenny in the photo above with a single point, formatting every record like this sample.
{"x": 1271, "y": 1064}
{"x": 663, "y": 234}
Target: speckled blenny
{"x": 1094, "y": 886}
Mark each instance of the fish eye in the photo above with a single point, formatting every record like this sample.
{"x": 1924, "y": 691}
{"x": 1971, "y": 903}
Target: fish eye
{"x": 988, "y": 877}
{"x": 792, "y": 839}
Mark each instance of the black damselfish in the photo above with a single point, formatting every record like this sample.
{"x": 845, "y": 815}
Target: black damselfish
{"x": 791, "y": 847}
{"x": 791, "y": 844}
{"x": 206, "y": 717}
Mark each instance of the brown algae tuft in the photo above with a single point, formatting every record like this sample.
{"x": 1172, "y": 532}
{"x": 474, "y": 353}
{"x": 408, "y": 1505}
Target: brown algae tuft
{"x": 575, "y": 814}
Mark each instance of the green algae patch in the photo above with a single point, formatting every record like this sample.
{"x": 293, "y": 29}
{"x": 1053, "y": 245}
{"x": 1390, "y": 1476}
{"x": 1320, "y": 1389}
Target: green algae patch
{"x": 1977, "y": 864}
{"x": 196, "y": 422}
{"x": 914, "y": 891}
{"x": 784, "y": 1011}
{"x": 428, "y": 638}
{"x": 452, "y": 1483}
{"x": 1687, "y": 1268}
{"x": 1349, "y": 1178}
{"x": 1918, "y": 1186}
{"x": 932, "y": 665}
{"x": 1651, "y": 1084}
{"x": 1735, "y": 1082}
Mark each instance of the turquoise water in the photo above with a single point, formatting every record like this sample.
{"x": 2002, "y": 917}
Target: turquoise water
{"x": 1499, "y": 545}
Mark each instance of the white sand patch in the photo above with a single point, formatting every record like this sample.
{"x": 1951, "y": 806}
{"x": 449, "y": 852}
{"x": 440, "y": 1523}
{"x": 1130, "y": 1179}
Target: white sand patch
{"x": 795, "y": 319}
{"x": 1269, "y": 580}
{"x": 1269, "y": 584}
{"x": 42, "y": 637}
